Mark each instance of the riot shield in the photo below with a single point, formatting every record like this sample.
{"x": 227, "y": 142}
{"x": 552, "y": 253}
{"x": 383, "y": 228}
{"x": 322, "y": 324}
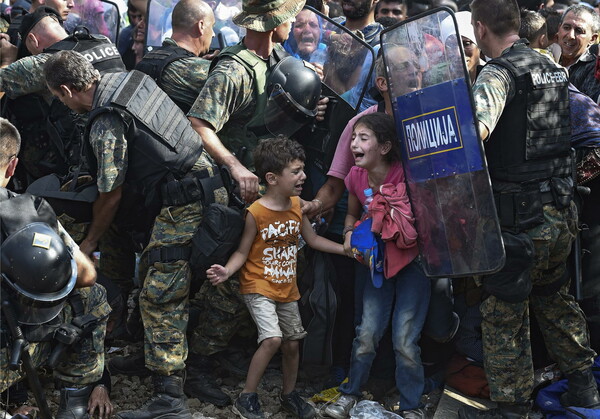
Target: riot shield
{"x": 100, "y": 17}
{"x": 443, "y": 158}
{"x": 346, "y": 63}
{"x": 226, "y": 32}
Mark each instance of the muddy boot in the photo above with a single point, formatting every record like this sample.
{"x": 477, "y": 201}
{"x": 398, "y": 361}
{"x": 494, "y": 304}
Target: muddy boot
{"x": 73, "y": 403}
{"x": 503, "y": 411}
{"x": 168, "y": 401}
{"x": 583, "y": 390}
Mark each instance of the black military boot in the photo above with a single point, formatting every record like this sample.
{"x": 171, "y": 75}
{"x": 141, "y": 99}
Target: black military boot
{"x": 202, "y": 386}
{"x": 168, "y": 401}
{"x": 503, "y": 411}
{"x": 74, "y": 402}
{"x": 129, "y": 365}
{"x": 583, "y": 390}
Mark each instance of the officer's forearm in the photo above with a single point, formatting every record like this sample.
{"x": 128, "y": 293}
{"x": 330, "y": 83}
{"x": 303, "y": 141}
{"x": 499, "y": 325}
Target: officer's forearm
{"x": 331, "y": 192}
{"x": 212, "y": 144}
{"x": 86, "y": 273}
{"x": 104, "y": 211}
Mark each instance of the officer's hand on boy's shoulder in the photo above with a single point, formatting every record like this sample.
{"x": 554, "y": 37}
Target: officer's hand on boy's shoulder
{"x": 247, "y": 181}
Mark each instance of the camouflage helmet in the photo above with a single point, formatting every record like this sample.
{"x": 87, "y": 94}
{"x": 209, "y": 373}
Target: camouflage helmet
{"x": 266, "y": 15}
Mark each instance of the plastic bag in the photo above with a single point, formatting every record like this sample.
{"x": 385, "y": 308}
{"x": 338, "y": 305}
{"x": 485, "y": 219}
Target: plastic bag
{"x": 367, "y": 409}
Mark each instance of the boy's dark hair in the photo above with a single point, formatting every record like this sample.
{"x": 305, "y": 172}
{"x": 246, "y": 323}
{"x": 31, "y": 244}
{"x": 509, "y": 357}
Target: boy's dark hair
{"x": 10, "y": 141}
{"x": 274, "y": 154}
{"x": 553, "y": 18}
{"x": 500, "y": 16}
{"x": 384, "y": 128}
{"x": 533, "y": 25}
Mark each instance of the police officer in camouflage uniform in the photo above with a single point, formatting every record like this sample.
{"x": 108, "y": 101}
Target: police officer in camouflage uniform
{"x": 177, "y": 66}
{"x": 150, "y": 161}
{"x": 522, "y": 104}
{"x": 25, "y": 217}
{"x": 180, "y": 71}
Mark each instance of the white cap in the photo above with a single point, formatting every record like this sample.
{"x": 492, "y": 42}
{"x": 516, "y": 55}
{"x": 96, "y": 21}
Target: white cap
{"x": 463, "y": 19}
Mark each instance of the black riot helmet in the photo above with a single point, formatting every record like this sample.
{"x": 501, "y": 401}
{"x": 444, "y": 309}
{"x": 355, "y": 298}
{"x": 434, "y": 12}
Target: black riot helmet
{"x": 38, "y": 271}
{"x": 293, "y": 91}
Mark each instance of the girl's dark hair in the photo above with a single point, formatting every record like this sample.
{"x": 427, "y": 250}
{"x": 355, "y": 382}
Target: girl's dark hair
{"x": 384, "y": 128}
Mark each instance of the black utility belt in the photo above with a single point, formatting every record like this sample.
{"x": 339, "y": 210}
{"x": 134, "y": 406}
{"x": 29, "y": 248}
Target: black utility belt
{"x": 197, "y": 185}
{"x": 519, "y": 211}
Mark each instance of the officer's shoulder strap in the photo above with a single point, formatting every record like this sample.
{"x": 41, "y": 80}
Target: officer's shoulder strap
{"x": 155, "y": 62}
{"x": 240, "y": 53}
{"x": 139, "y": 95}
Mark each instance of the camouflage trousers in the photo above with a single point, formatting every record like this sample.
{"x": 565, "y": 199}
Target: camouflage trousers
{"x": 505, "y": 326}
{"x": 83, "y": 363}
{"x": 117, "y": 260}
{"x": 164, "y": 299}
{"x": 223, "y": 314}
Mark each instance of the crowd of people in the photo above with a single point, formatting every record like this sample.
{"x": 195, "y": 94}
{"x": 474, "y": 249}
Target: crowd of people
{"x": 193, "y": 174}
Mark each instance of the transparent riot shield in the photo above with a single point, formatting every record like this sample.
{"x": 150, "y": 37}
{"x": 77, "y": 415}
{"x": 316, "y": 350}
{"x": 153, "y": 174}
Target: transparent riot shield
{"x": 346, "y": 65}
{"x": 226, "y": 32}
{"x": 100, "y": 17}
{"x": 444, "y": 161}
{"x": 345, "y": 60}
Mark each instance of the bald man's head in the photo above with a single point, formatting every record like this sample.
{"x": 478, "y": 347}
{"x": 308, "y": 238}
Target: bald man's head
{"x": 188, "y": 13}
{"x": 45, "y": 33}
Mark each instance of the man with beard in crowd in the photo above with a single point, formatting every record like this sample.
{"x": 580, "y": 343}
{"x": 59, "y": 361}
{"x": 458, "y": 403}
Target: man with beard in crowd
{"x": 359, "y": 15}
{"x": 396, "y": 10}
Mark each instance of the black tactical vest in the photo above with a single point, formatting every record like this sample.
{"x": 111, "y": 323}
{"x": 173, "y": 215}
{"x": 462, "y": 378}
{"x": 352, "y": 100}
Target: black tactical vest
{"x": 532, "y": 139}
{"x": 161, "y": 145}
{"x": 155, "y": 62}
{"x": 98, "y": 50}
{"x": 16, "y": 211}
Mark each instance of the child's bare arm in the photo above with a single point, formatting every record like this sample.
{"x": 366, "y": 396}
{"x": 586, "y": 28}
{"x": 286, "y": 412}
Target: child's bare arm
{"x": 318, "y": 242}
{"x": 352, "y": 216}
{"x": 217, "y": 273}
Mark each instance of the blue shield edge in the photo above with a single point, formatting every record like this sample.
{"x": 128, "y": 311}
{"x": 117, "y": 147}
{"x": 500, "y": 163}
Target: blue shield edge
{"x": 443, "y": 158}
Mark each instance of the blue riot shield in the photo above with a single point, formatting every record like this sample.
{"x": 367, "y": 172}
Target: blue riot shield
{"x": 443, "y": 157}
{"x": 226, "y": 32}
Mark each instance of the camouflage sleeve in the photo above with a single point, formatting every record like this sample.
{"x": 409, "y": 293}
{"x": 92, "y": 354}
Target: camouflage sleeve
{"x": 24, "y": 76}
{"x": 228, "y": 89}
{"x": 183, "y": 79}
{"x": 107, "y": 138}
{"x": 493, "y": 89}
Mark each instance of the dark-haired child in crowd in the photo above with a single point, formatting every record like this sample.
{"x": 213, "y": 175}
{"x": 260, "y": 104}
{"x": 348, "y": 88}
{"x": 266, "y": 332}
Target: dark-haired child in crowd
{"x": 267, "y": 258}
